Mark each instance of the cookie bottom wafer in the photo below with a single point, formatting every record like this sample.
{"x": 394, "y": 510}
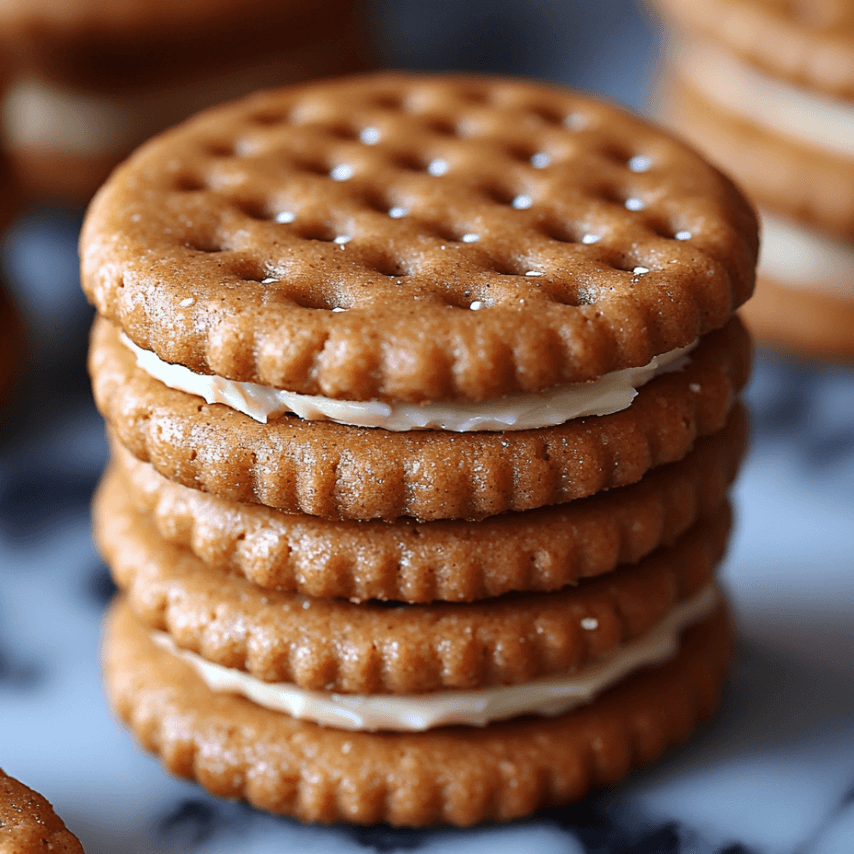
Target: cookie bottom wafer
{"x": 408, "y": 561}
{"x": 335, "y": 645}
{"x": 330, "y": 470}
{"x": 453, "y": 775}
{"x": 28, "y": 824}
{"x": 807, "y": 322}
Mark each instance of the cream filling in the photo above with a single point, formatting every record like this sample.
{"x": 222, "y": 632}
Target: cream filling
{"x": 803, "y": 114}
{"x": 37, "y": 114}
{"x": 417, "y": 712}
{"x": 610, "y": 393}
{"x": 797, "y": 257}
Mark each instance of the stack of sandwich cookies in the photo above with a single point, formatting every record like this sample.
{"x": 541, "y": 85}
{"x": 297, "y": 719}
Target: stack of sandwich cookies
{"x": 86, "y": 82}
{"x": 28, "y": 824}
{"x": 422, "y": 398}
{"x": 767, "y": 90}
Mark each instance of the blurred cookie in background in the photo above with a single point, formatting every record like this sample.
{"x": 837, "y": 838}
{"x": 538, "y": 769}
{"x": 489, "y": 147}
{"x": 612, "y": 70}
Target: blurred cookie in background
{"x": 11, "y": 335}
{"x": 86, "y": 82}
{"x": 766, "y": 88}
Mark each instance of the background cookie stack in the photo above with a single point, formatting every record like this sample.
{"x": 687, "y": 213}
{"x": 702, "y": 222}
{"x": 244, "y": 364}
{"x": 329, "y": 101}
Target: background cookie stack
{"x": 766, "y": 89}
{"x": 86, "y": 82}
{"x": 422, "y": 489}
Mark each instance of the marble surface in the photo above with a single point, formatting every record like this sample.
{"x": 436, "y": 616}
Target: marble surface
{"x": 773, "y": 773}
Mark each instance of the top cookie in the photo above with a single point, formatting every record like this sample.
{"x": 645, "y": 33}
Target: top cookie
{"x": 810, "y": 42}
{"x": 417, "y": 239}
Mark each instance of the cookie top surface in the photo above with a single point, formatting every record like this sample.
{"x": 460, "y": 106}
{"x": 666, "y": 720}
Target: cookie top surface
{"x": 416, "y": 238}
{"x": 810, "y": 42}
{"x": 28, "y": 824}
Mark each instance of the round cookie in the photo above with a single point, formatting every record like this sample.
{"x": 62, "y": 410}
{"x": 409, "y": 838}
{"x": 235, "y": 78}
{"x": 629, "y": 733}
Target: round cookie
{"x": 543, "y": 549}
{"x": 454, "y": 775}
{"x": 332, "y": 470}
{"x": 784, "y": 174}
{"x": 766, "y": 89}
{"x": 28, "y": 824}
{"x": 365, "y": 648}
{"x": 809, "y": 321}
{"x": 810, "y": 44}
{"x": 90, "y": 81}
{"x": 585, "y": 240}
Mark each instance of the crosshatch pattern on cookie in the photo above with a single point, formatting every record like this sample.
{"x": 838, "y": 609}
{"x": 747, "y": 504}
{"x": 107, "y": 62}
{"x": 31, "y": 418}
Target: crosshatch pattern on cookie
{"x": 403, "y": 238}
{"x": 452, "y": 775}
{"x": 330, "y": 470}
{"x": 370, "y": 647}
{"x": 448, "y": 561}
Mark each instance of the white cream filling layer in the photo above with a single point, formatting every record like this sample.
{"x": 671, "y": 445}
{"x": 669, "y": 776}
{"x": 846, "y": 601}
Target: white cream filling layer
{"x": 417, "y": 712}
{"x": 803, "y": 114}
{"x": 797, "y": 257}
{"x": 610, "y": 393}
{"x": 39, "y": 114}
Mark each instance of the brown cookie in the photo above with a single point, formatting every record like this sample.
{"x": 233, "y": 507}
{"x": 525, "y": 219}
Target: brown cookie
{"x": 808, "y": 43}
{"x": 782, "y": 173}
{"x": 28, "y": 824}
{"x": 808, "y": 322}
{"x": 90, "y": 81}
{"x": 11, "y": 346}
{"x": 542, "y": 549}
{"x": 588, "y": 240}
{"x": 331, "y": 470}
{"x": 366, "y": 648}
{"x": 114, "y": 47}
{"x": 453, "y": 775}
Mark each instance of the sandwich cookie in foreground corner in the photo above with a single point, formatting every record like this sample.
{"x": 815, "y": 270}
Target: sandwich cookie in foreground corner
{"x": 766, "y": 89}
{"x": 28, "y": 824}
{"x": 463, "y": 352}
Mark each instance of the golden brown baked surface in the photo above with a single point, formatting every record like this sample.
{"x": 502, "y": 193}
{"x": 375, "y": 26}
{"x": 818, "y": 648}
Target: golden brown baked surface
{"x": 331, "y": 470}
{"x": 453, "y": 775}
{"x": 364, "y": 648}
{"x": 28, "y": 824}
{"x": 225, "y": 243}
{"x": 543, "y": 549}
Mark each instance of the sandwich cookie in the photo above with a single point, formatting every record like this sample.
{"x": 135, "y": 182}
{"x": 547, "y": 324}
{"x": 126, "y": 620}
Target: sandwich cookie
{"x": 459, "y": 775}
{"x": 87, "y": 82}
{"x": 28, "y": 824}
{"x": 767, "y": 90}
{"x": 447, "y": 560}
{"x": 462, "y": 351}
